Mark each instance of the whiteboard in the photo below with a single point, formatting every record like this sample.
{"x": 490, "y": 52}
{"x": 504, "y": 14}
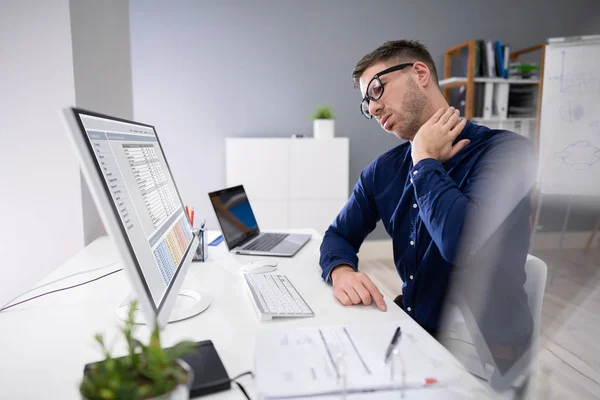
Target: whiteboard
{"x": 570, "y": 117}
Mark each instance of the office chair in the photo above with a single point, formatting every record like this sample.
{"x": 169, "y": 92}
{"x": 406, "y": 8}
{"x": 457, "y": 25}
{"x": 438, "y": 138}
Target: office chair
{"x": 525, "y": 370}
{"x": 473, "y": 353}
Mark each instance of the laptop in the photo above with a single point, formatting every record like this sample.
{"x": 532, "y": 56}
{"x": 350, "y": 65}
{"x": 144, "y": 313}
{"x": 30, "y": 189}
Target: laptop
{"x": 240, "y": 229}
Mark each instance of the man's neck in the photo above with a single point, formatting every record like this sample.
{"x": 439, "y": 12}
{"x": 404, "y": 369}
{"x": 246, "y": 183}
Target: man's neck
{"x": 435, "y": 104}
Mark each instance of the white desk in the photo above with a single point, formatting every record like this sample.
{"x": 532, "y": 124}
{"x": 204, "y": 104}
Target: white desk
{"x": 45, "y": 343}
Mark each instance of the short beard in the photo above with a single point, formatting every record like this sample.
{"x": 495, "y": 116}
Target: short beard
{"x": 414, "y": 102}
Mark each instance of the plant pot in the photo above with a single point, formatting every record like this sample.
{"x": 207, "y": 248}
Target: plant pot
{"x": 182, "y": 391}
{"x": 324, "y": 128}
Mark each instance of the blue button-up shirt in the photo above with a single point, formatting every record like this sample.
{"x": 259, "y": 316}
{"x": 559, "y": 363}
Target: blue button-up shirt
{"x": 424, "y": 207}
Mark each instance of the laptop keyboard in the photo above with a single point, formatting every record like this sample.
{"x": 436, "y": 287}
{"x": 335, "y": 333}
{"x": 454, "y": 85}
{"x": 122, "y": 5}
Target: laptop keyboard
{"x": 266, "y": 242}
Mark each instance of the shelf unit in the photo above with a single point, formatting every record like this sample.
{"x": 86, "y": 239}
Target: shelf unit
{"x": 452, "y": 82}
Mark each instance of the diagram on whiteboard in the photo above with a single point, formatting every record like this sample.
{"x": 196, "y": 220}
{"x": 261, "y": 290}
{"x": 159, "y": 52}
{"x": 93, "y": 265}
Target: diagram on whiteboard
{"x": 581, "y": 155}
{"x": 576, "y": 82}
{"x": 571, "y": 111}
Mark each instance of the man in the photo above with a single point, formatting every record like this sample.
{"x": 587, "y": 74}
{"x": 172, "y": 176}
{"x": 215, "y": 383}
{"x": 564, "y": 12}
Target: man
{"x": 455, "y": 193}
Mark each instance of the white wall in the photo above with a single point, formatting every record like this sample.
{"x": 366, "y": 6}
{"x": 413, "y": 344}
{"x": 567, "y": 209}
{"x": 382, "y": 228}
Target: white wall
{"x": 40, "y": 199}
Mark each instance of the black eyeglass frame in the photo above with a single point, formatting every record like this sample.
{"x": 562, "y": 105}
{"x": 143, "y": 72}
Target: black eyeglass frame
{"x": 367, "y": 99}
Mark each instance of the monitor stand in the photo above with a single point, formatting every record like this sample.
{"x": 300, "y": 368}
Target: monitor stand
{"x": 188, "y": 304}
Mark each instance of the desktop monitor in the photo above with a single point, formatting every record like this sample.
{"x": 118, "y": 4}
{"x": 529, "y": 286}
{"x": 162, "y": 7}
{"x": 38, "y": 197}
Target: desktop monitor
{"x": 130, "y": 180}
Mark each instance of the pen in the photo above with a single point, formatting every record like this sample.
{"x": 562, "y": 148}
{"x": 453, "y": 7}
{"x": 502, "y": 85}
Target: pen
{"x": 203, "y": 223}
{"x": 392, "y": 344}
{"x": 192, "y": 217}
{"x": 187, "y": 212}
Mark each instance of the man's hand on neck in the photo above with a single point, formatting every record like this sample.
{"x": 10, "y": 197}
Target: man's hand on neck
{"x": 435, "y": 138}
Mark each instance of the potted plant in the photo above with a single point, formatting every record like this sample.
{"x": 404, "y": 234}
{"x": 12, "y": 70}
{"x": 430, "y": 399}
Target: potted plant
{"x": 146, "y": 372}
{"x": 324, "y": 123}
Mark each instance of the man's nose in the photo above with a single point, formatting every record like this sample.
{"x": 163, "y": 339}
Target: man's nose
{"x": 374, "y": 108}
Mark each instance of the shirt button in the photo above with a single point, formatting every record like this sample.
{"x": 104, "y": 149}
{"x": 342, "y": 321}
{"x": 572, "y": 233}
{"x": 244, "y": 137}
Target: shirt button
{"x": 415, "y": 172}
{"x": 411, "y": 277}
{"x": 412, "y": 242}
{"x": 415, "y": 205}
{"x": 411, "y": 180}
{"x": 408, "y": 309}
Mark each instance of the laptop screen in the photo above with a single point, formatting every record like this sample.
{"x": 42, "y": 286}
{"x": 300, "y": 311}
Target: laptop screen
{"x": 235, "y": 215}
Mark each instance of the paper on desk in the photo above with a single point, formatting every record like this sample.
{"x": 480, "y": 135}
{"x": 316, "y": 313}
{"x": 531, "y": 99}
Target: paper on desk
{"x": 324, "y": 360}
{"x": 212, "y": 235}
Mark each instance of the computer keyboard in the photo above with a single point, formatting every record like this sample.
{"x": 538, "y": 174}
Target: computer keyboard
{"x": 274, "y": 296}
{"x": 266, "y": 241}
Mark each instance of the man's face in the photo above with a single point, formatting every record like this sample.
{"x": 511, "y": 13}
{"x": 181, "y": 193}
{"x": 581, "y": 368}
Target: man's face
{"x": 399, "y": 110}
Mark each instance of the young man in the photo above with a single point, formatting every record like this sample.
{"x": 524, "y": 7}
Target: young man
{"x": 456, "y": 194}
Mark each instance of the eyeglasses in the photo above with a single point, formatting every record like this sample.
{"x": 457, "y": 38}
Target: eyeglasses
{"x": 375, "y": 88}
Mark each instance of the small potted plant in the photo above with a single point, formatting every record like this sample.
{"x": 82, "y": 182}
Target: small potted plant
{"x": 146, "y": 372}
{"x": 324, "y": 123}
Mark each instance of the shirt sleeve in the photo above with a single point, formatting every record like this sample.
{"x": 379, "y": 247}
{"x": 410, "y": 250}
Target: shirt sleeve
{"x": 502, "y": 178}
{"x": 358, "y": 218}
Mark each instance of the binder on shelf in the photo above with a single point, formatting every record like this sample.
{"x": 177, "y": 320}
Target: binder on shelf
{"x": 488, "y": 97}
{"x": 499, "y": 60}
{"x": 501, "y": 100}
{"x": 479, "y": 98}
{"x": 506, "y": 50}
{"x": 491, "y": 59}
{"x": 483, "y": 69}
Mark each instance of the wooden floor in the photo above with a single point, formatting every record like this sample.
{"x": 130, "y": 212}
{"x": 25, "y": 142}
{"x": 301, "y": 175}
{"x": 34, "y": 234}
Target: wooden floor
{"x": 569, "y": 359}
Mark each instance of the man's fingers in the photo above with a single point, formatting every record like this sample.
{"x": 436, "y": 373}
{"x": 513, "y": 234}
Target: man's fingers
{"x": 352, "y": 294}
{"x": 458, "y": 128}
{"x": 446, "y": 115}
{"x": 459, "y": 146}
{"x": 436, "y": 117}
{"x": 375, "y": 293}
{"x": 451, "y": 123}
{"x": 364, "y": 294}
{"x": 342, "y": 297}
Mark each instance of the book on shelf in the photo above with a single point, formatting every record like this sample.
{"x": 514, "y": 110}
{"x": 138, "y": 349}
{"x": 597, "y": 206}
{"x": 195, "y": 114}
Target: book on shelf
{"x": 491, "y": 59}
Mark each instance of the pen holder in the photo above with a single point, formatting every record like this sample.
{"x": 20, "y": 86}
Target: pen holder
{"x": 201, "y": 253}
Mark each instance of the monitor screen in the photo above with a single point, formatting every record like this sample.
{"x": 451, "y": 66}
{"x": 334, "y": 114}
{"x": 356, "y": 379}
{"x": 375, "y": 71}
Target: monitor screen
{"x": 139, "y": 181}
{"x": 234, "y": 214}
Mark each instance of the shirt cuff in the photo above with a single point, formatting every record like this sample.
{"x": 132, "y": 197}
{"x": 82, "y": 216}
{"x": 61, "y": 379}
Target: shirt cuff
{"x": 422, "y": 167}
{"x": 328, "y": 277}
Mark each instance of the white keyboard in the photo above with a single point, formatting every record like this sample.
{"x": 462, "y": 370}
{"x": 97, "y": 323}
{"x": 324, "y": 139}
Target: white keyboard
{"x": 275, "y": 296}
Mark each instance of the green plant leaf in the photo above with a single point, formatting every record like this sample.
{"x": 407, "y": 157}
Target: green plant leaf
{"x": 179, "y": 350}
{"x": 106, "y": 394}
{"x": 324, "y": 113}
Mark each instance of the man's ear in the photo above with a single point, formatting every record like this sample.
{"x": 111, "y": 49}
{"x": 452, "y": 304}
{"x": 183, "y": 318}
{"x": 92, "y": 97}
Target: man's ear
{"x": 423, "y": 73}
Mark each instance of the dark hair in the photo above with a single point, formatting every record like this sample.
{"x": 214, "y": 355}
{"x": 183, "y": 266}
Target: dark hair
{"x": 398, "y": 51}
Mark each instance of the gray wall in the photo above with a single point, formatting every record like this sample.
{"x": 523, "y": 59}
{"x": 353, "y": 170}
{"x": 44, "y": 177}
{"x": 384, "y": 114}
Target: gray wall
{"x": 102, "y": 66}
{"x": 203, "y": 71}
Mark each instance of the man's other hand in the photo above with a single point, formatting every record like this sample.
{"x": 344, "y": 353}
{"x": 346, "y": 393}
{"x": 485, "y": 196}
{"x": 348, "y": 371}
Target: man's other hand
{"x": 351, "y": 287}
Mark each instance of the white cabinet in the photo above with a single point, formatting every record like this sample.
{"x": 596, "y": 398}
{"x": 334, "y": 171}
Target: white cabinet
{"x": 291, "y": 183}
{"x": 261, "y": 165}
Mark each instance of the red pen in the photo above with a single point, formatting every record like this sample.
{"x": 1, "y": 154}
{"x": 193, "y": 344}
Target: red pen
{"x": 192, "y": 218}
{"x": 187, "y": 212}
